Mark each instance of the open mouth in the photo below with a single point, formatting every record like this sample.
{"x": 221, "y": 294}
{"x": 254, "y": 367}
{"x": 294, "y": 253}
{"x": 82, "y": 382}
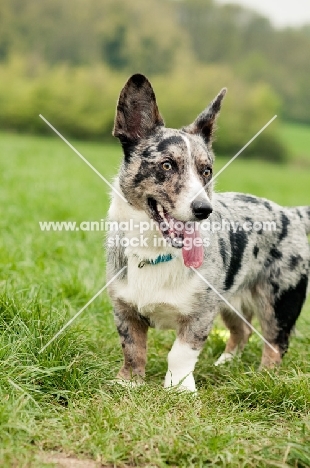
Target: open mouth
{"x": 171, "y": 228}
{"x": 179, "y": 234}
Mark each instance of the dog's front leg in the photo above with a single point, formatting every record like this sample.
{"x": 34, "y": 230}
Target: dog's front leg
{"x": 132, "y": 329}
{"x": 184, "y": 354}
{"x": 181, "y": 363}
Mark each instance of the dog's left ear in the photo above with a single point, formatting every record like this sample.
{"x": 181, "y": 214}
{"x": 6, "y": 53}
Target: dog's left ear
{"x": 205, "y": 122}
{"x": 137, "y": 114}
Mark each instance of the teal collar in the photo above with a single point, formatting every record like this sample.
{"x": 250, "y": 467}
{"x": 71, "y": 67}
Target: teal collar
{"x": 159, "y": 259}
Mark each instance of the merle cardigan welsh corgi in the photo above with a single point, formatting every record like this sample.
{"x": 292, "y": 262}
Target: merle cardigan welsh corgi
{"x": 173, "y": 270}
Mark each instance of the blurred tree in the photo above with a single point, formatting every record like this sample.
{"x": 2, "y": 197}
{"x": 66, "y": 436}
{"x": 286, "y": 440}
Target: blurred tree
{"x": 126, "y": 36}
{"x": 140, "y": 36}
{"x": 188, "y": 46}
{"x": 114, "y": 48}
{"x": 6, "y": 32}
{"x": 233, "y": 35}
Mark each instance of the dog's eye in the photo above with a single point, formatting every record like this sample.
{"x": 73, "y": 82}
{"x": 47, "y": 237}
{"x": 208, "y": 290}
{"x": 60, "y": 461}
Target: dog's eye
{"x": 166, "y": 166}
{"x": 207, "y": 172}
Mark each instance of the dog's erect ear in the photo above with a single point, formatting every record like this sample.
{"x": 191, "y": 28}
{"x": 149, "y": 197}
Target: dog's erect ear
{"x": 137, "y": 113}
{"x": 204, "y": 124}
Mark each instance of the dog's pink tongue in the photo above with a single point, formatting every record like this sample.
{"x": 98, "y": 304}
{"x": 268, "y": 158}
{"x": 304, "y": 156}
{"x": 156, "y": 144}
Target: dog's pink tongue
{"x": 192, "y": 249}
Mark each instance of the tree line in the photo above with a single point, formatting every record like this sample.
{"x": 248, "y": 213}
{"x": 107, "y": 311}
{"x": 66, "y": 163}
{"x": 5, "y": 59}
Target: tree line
{"x": 70, "y": 58}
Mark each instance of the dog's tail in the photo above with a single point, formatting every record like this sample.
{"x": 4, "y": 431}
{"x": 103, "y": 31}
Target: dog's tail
{"x": 304, "y": 214}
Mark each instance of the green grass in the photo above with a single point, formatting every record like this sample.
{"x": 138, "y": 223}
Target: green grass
{"x": 297, "y": 139}
{"x": 63, "y": 400}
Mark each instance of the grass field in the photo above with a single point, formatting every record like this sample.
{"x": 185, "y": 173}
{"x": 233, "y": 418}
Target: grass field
{"x": 297, "y": 139}
{"x": 62, "y": 400}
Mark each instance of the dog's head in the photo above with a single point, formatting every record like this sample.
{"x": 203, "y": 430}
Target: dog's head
{"x": 166, "y": 172}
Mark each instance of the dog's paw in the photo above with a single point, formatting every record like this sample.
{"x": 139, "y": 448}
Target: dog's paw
{"x": 186, "y": 384}
{"x": 225, "y": 357}
{"x": 133, "y": 383}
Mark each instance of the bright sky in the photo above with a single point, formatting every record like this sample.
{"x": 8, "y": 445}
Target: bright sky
{"x": 280, "y": 12}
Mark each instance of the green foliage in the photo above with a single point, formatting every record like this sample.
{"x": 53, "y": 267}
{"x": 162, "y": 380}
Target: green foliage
{"x": 135, "y": 35}
{"x": 81, "y": 101}
{"x": 255, "y": 50}
{"x": 139, "y": 36}
{"x": 69, "y": 60}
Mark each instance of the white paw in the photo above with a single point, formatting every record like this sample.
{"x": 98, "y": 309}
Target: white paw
{"x": 225, "y": 357}
{"x": 187, "y": 383}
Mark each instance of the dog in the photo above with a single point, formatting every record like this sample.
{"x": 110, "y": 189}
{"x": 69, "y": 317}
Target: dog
{"x": 184, "y": 281}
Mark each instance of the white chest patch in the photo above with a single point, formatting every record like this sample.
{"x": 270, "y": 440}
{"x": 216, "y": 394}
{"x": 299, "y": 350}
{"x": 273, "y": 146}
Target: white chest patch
{"x": 160, "y": 292}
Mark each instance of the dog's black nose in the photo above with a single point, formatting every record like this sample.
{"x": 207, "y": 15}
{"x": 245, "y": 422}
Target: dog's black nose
{"x": 201, "y": 209}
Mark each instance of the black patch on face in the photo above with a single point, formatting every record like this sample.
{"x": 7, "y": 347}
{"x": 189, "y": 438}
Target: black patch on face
{"x": 172, "y": 140}
{"x": 294, "y": 260}
{"x": 285, "y": 223}
{"x": 144, "y": 173}
{"x": 178, "y": 186}
{"x": 161, "y": 175}
{"x": 255, "y": 251}
{"x": 151, "y": 171}
{"x": 223, "y": 251}
{"x": 238, "y": 241}
{"x": 146, "y": 153}
{"x": 287, "y": 309}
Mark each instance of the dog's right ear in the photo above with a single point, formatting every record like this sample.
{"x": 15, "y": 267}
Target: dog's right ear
{"x": 137, "y": 114}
